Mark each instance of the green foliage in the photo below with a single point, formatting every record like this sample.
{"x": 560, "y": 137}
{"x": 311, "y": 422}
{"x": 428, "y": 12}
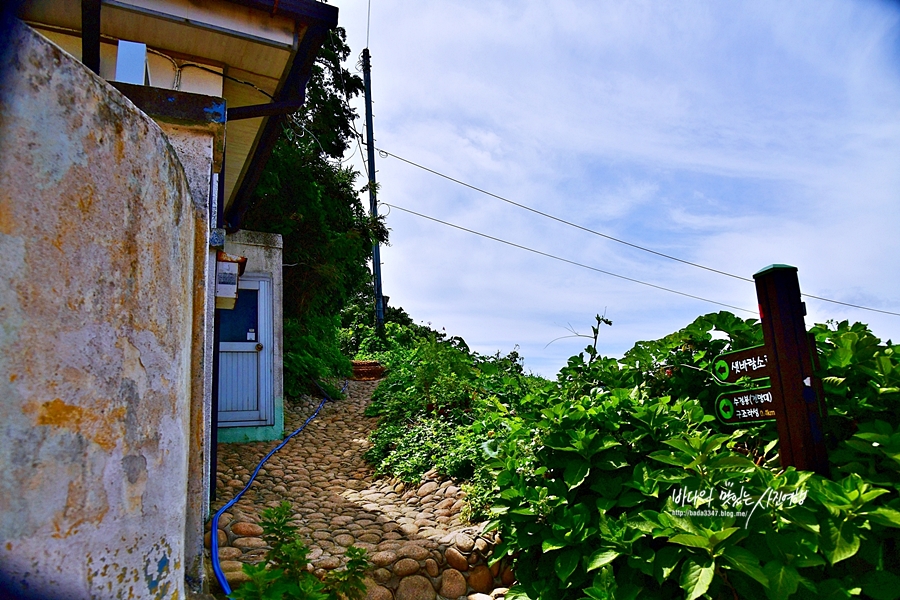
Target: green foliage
{"x": 312, "y": 353}
{"x": 348, "y": 583}
{"x": 435, "y": 377}
{"x": 616, "y": 483}
{"x": 308, "y": 197}
{"x": 286, "y": 576}
{"x": 415, "y": 449}
{"x": 861, "y": 378}
{"x": 441, "y": 406}
{"x": 359, "y": 338}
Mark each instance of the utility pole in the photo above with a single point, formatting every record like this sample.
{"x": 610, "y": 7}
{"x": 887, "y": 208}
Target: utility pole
{"x": 373, "y": 201}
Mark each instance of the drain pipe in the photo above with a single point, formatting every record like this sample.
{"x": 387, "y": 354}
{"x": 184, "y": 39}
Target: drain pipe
{"x": 214, "y": 530}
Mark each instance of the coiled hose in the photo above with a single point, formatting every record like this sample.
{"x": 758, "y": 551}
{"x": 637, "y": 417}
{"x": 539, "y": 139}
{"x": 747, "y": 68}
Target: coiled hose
{"x": 214, "y": 531}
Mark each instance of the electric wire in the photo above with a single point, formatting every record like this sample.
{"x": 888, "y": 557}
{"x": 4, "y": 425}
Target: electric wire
{"x": 214, "y": 538}
{"x": 178, "y": 68}
{"x": 349, "y": 158}
{"x": 176, "y": 80}
{"x": 384, "y": 154}
{"x": 235, "y": 79}
{"x": 878, "y": 310}
{"x": 355, "y": 117}
{"x": 359, "y": 142}
{"x": 340, "y": 71}
{"x": 362, "y": 155}
{"x": 297, "y": 121}
{"x": 176, "y": 83}
{"x": 359, "y": 136}
{"x": 566, "y": 260}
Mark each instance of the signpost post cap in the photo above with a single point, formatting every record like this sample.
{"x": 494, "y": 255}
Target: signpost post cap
{"x": 776, "y": 267}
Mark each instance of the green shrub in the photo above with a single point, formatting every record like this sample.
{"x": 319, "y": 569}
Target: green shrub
{"x": 360, "y": 339}
{"x": 435, "y": 377}
{"x": 413, "y": 449}
{"x": 312, "y": 354}
{"x": 861, "y": 378}
{"x": 312, "y": 201}
{"x": 441, "y": 406}
{"x": 592, "y": 482}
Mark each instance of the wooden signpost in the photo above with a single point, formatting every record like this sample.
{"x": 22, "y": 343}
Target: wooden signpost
{"x": 793, "y": 397}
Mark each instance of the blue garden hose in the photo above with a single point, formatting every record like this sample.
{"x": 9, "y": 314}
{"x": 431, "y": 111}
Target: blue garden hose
{"x": 214, "y": 531}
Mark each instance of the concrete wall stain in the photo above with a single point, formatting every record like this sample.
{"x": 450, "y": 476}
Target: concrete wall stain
{"x": 102, "y": 427}
{"x": 100, "y": 238}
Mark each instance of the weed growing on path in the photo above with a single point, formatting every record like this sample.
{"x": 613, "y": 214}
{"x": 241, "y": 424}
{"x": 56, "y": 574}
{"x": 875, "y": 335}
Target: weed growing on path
{"x": 286, "y": 576}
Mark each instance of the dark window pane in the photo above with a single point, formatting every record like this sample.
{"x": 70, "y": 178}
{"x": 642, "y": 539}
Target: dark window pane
{"x": 236, "y": 323}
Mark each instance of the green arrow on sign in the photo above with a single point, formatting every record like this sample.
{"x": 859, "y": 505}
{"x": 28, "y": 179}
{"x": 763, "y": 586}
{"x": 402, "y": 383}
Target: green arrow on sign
{"x": 726, "y": 408}
{"x": 721, "y": 370}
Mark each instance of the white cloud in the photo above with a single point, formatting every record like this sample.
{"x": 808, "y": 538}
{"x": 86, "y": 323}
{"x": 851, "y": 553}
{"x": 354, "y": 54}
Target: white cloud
{"x": 734, "y": 135}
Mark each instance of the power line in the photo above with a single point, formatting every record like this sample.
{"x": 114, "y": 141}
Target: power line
{"x": 358, "y": 135}
{"x": 385, "y": 154}
{"x": 340, "y": 70}
{"x": 878, "y": 310}
{"x": 362, "y": 155}
{"x": 569, "y": 223}
{"x": 565, "y": 260}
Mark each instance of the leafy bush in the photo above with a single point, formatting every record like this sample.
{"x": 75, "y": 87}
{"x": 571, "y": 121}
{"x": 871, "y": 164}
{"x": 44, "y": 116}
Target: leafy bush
{"x": 860, "y": 376}
{"x": 360, "y": 339}
{"x": 594, "y": 479}
{"x": 434, "y": 377}
{"x": 604, "y": 484}
{"x": 312, "y": 354}
{"x": 287, "y": 577}
{"x": 441, "y": 406}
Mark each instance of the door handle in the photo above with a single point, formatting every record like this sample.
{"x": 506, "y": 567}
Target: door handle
{"x": 259, "y": 347}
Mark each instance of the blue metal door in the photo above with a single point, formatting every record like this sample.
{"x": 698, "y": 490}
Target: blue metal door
{"x": 245, "y": 357}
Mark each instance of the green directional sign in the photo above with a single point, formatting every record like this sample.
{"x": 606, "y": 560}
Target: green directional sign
{"x": 746, "y": 406}
{"x": 749, "y": 362}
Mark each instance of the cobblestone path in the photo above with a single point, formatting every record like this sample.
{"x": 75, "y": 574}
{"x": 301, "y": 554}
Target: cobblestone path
{"x": 415, "y": 538}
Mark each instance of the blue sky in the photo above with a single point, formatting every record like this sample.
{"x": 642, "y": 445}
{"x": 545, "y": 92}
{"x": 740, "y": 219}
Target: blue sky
{"x": 731, "y": 134}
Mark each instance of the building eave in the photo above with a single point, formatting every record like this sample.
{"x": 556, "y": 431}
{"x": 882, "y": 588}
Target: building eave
{"x": 264, "y": 49}
{"x": 300, "y": 10}
{"x": 293, "y": 91}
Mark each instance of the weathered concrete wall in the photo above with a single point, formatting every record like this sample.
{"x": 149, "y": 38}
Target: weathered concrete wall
{"x": 98, "y": 245}
{"x": 264, "y": 256}
{"x": 195, "y": 127}
{"x": 194, "y": 148}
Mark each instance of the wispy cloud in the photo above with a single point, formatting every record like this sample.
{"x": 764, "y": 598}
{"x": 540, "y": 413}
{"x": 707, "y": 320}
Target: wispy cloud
{"x": 731, "y": 134}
